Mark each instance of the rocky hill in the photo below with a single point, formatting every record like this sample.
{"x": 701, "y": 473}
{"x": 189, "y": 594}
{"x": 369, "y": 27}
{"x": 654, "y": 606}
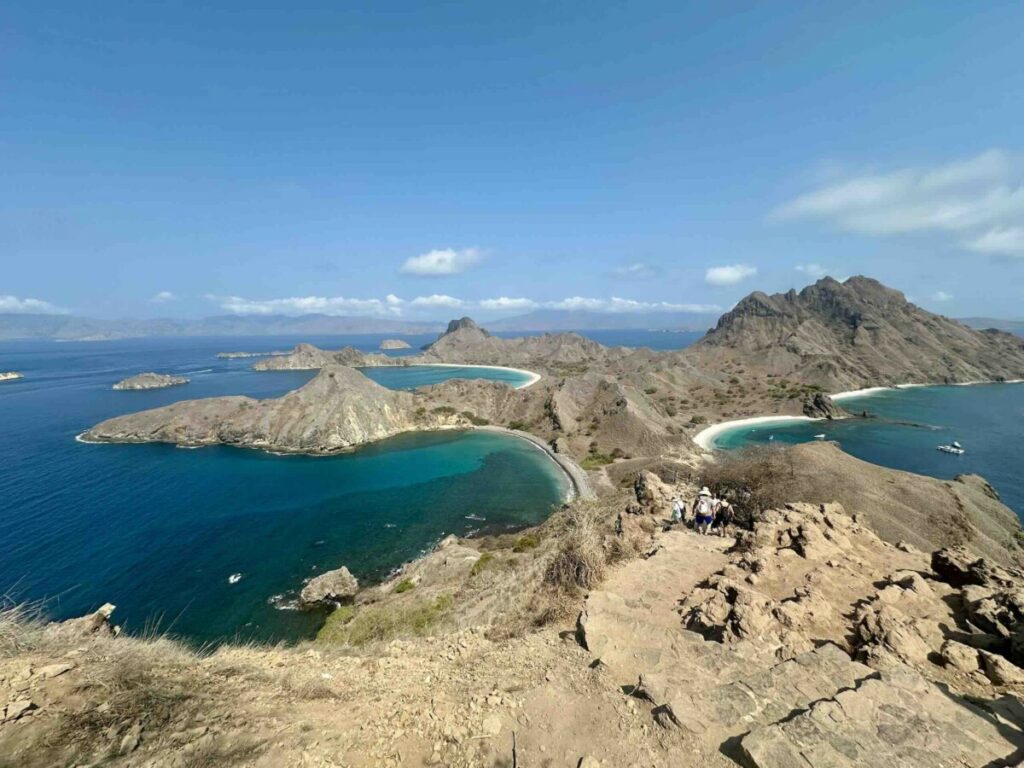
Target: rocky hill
{"x": 854, "y": 334}
{"x": 306, "y": 357}
{"x": 466, "y": 342}
{"x": 338, "y": 409}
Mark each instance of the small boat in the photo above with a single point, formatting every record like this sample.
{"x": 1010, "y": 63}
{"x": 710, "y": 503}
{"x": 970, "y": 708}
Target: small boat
{"x": 820, "y": 437}
{"x": 955, "y": 448}
{"x": 234, "y": 578}
{"x": 475, "y": 517}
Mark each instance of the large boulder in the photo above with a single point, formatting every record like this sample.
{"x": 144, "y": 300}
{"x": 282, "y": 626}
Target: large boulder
{"x": 331, "y": 588}
{"x": 651, "y": 491}
{"x": 821, "y": 406}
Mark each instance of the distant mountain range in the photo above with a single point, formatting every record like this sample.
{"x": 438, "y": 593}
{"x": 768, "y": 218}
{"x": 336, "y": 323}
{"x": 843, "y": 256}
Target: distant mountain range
{"x": 76, "y": 328}
{"x": 981, "y": 323}
{"x": 72, "y": 328}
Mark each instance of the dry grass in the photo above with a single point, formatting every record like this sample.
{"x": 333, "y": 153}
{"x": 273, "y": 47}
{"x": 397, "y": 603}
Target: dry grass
{"x": 580, "y": 561}
{"x": 385, "y": 621}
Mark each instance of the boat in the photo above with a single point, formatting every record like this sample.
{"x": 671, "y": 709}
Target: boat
{"x": 955, "y": 448}
{"x": 820, "y": 437}
{"x": 475, "y": 517}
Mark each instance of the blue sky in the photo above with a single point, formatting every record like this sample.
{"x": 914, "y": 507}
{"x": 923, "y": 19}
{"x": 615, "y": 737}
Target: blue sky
{"x": 180, "y": 158}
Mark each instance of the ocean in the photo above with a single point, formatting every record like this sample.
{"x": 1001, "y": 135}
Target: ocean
{"x": 908, "y": 425}
{"x": 159, "y": 531}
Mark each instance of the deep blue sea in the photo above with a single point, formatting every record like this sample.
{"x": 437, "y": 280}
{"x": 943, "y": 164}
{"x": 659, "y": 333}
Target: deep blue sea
{"x": 908, "y": 425}
{"x": 158, "y": 530}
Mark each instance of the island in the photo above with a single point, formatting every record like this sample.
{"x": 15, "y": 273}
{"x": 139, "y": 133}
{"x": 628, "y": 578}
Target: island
{"x": 395, "y": 344}
{"x": 10, "y": 376}
{"x": 241, "y": 355}
{"x": 150, "y": 381}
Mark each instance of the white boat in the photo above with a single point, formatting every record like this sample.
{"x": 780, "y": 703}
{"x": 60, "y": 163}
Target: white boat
{"x": 955, "y": 448}
{"x": 820, "y": 437}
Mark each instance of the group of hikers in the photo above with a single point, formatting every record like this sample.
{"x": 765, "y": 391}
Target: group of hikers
{"x": 709, "y": 515}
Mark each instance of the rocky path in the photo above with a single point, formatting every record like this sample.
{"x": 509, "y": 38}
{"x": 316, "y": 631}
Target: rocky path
{"x": 752, "y": 702}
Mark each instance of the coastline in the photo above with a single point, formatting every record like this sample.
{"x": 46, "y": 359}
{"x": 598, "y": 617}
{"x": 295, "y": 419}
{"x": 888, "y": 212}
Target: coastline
{"x": 872, "y": 390}
{"x": 579, "y": 483}
{"x": 705, "y": 439}
{"x": 533, "y": 376}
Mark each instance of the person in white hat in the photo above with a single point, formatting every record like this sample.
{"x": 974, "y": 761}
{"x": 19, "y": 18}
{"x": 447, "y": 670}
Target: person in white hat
{"x": 703, "y": 510}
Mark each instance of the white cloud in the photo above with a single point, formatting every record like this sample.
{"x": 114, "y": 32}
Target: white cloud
{"x": 620, "y": 305}
{"x": 19, "y": 306}
{"x": 435, "y": 303}
{"x": 301, "y": 305}
{"x": 729, "y": 275}
{"x": 636, "y": 270}
{"x": 815, "y": 271}
{"x": 979, "y": 201}
{"x": 941, "y": 296}
{"x": 446, "y": 261}
{"x": 1000, "y": 241}
{"x": 437, "y": 300}
{"x": 163, "y": 297}
{"x": 506, "y": 303}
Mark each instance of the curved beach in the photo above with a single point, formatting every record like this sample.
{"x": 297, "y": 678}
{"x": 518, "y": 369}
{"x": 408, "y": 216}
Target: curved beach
{"x": 706, "y": 437}
{"x": 532, "y": 376}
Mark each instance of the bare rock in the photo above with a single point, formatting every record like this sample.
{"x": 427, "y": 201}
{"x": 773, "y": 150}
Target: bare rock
{"x": 651, "y": 492}
{"x": 331, "y": 588}
{"x": 999, "y": 670}
{"x": 959, "y": 656}
{"x": 953, "y": 566}
{"x": 821, "y": 406}
{"x": 17, "y": 709}
{"x": 97, "y": 623}
{"x": 54, "y": 670}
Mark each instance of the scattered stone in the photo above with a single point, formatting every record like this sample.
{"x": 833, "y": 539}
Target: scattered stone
{"x": 17, "y": 709}
{"x": 54, "y": 670}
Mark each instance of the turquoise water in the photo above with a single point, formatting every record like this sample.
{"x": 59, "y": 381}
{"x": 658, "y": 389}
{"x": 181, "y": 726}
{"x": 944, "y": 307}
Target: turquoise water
{"x": 158, "y": 530}
{"x": 987, "y": 419}
{"x": 413, "y": 376}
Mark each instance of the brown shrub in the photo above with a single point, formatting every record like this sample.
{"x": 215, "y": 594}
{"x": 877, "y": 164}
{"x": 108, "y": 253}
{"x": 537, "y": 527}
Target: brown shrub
{"x": 753, "y": 480}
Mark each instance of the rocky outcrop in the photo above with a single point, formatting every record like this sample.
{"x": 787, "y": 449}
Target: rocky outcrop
{"x": 10, "y": 376}
{"x": 329, "y": 589}
{"x": 395, "y": 344}
{"x": 150, "y": 381}
{"x": 339, "y": 409}
{"x": 820, "y": 406}
{"x": 859, "y": 333}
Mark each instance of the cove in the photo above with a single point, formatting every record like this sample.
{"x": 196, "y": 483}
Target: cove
{"x": 908, "y": 424}
{"x": 158, "y": 530}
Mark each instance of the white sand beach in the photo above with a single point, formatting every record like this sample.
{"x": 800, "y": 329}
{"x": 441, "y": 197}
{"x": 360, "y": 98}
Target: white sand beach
{"x": 706, "y": 437}
{"x": 533, "y": 377}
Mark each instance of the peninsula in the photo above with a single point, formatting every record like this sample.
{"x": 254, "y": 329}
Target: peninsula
{"x": 150, "y": 381}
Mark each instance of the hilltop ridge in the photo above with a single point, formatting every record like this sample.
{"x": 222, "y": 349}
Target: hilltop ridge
{"x": 858, "y": 333}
